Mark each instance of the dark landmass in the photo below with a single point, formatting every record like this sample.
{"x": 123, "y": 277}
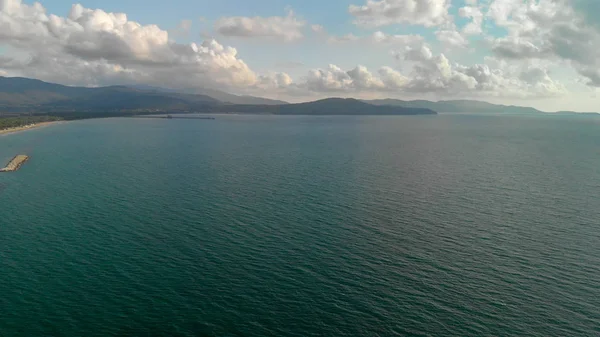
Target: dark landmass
{"x": 577, "y": 113}
{"x": 174, "y": 117}
{"x": 457, "y": 106}
{"x": 326, "y": 107}
{"x": 329, "y": 106}
{"x": 27, "y": 96}
{"x": 23, "y": 95}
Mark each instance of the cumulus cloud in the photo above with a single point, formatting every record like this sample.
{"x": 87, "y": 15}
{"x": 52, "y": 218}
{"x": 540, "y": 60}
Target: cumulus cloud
{"x": 435, "y": 74}
{"x": 287, "y": 28}
{"x": 476, "y": 16}
{"x": 392, "y": 79}
{"x": 451, "y": 38}
{"x": 94, "y": 47}
{"x": 274, "y": 81}
{"x": 518, "y": 48}
{"x": 375, "y": 13}
{"x": 331, "y": 79}
{"x": 358, "y": 79}
{"x": 547, "y": 29}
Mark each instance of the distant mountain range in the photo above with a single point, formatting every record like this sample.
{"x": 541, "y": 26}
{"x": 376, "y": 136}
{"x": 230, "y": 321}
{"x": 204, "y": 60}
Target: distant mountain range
{"x": 28, "y": 95}
{"x": 328, "y": 106}
{"x": 24, "y": 95}
{"x": 456, "y": 106}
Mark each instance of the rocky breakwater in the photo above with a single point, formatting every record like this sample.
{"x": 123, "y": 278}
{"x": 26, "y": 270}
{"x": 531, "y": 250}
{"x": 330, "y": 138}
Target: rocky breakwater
{"x": 15, "y": 163}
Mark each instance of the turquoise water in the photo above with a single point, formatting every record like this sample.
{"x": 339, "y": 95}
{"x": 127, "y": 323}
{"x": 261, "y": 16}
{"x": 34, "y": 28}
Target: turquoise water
{"x": 303, "y": 226}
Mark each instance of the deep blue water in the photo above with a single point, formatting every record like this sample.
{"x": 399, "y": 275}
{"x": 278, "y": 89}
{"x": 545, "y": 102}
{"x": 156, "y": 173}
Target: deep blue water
{"x": 303, "y": 226}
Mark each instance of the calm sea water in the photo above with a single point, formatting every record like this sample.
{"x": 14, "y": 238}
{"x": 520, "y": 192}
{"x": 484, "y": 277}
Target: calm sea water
{"x": 303, "y": 226}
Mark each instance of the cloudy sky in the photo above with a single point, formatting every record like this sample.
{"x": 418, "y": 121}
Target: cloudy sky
{"x": 542, "y": 53}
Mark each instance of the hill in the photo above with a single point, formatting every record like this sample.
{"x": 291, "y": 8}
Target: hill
{"x": 30, "y": 95}
{"x": 34, "y": 96}
{"x": 23, "y": 95}
{"x": 128, "y": 99}
{"x": 17, "y": 91}
{"x": 329, "y": 106}
{"x": 457, "y": 106}
{"x": 577, "y": 113}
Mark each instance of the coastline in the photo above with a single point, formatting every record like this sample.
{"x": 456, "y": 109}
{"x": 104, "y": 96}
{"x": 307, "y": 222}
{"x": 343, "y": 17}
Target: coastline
{"x": 27, "y": 127}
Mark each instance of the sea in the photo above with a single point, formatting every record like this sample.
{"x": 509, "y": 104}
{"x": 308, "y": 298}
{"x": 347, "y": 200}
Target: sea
{"x": 448, "y": 225}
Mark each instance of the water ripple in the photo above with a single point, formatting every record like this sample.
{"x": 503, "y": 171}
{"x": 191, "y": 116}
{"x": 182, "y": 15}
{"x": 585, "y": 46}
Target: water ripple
{"x": 298, "y": 226}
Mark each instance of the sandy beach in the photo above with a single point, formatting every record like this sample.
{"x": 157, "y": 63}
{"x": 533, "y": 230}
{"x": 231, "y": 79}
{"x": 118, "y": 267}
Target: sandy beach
{"x": 28, "y": 127}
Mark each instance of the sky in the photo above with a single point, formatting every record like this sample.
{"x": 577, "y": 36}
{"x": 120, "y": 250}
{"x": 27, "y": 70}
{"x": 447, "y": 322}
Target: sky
{"x": 541, "y": 53}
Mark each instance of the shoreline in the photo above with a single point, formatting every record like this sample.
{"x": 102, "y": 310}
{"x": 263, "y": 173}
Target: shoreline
{"x": 27, "y": 127}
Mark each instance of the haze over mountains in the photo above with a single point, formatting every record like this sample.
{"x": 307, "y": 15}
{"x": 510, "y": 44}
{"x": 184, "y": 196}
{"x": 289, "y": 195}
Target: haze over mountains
{"x": 23, "y": 95}
{"x": 216, "y": 94}
{"x": 329, "y": 106}
{"x": 457, "y": 106}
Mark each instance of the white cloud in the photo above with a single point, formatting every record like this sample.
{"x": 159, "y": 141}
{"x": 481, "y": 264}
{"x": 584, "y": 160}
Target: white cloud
{"x": 392, "y": 79}
{"x": 362, "y": 78}
{"x": 334, "y": 79}
{"x": 415, "y": 54}
{"x": 331, "y": 79}
{"x": 435, "y": 74}
{"x": 380, "y": 37}
{"x": 473, "y": 27}
{"x": 288, "y": 28}
{"x": 547, "y": 29}
{"x": 274, "y": 81}
{"x": 93, "y": 47}
{"x": 375, "y": 13}
{"x": 518, "y": 48}
{"x": 317, "y": 29}
{"x": 451, "y": 38}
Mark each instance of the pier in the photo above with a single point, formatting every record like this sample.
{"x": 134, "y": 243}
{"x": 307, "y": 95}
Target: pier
{"x": 15, "y": 163}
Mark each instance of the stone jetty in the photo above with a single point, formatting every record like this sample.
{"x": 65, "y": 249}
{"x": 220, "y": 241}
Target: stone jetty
{"x": 15, "y": 163}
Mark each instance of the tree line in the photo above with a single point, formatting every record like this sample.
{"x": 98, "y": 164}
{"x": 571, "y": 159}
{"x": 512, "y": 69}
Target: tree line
{"x": 15, "y": 122}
